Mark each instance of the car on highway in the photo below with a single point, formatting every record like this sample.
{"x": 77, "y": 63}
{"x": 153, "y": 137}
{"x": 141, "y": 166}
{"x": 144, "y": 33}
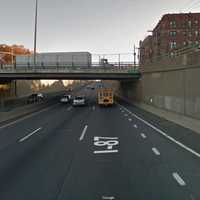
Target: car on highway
{"x": 69, "y": 89}
{"x": 32, "y": 98}
{"x": 79, "y": 101}
{"x": 65, "y": 99}
{"x": 40, "y": 96}
{"x": 36, "y": 97}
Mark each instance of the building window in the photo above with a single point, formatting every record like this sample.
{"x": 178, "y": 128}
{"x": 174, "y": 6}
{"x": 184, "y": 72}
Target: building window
{"x": 172, "y": 24}
{"x": 173, "y": 45}
{"x": 189, "y": 43}
{"x": 196, "y": 22}
{"x": 184, "y": 43}
{"x": 190, "y": 34}
{"x": 190, "y": 24}
{"x": 173, "y": 33}
{"x": 196, "y": 33}
{"x": 184, "y": 33}
{"x": 196, "y": 42}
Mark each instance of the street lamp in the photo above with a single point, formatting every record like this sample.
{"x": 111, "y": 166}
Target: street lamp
{"x": 35, "y": 32}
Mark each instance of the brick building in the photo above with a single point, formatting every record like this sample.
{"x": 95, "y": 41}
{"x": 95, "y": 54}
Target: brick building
{"x": 173, "y": 32}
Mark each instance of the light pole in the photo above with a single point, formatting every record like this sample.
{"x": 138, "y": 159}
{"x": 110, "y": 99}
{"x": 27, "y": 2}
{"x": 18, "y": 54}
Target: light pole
{"x": 35, "y": 33}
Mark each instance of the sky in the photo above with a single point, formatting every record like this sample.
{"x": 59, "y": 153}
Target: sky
{"x": 97, "y": 26}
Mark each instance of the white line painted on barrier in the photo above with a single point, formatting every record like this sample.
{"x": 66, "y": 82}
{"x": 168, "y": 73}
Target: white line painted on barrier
{"x": 143, "y": 135}
{"x": 83, "y": 133}
{"x": 156, "y": 151}
{"x": 27, "y": 116}
{"x": 177, "y": 177}
{"x": 29, "y": 135}
{"x": 106, "y": 151}
{"x": 163, "y": 133}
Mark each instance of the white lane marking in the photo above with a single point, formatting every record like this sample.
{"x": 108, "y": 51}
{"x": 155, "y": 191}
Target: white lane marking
{"x": 97, "y": 138}
{"x": 29, "y": 135}
{"x": 93, "y": 108}
{"x": 106, "y": 151}
{"x": 108, "y": 198}
{"x": 123, "y": 111}
{"x": 125, "y": 115}
{"x": 177, "y": 177}
{"x": 68, "y": 109}
{"x": 130, "y": 120}
{"x": 143, "y": 135}
{"x": 135, "y": 126}
{"x": 83, "y": 133}
{"x": 156, "y": 151}
{"x": 164, "y": 134}
{"x": 27, "y": 116}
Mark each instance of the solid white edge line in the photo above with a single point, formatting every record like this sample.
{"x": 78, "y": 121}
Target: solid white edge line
{"x": 156, "y": 151}
{"x": 83, "y": 133}
{"x": 29, "y": 135}
{"x": 26, "y": 117}
{"x": 163, "y": 133}
{"x": 177, "y": 177}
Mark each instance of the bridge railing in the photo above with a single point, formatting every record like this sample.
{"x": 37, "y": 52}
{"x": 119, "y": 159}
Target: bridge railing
{"x": 122, "y": 67}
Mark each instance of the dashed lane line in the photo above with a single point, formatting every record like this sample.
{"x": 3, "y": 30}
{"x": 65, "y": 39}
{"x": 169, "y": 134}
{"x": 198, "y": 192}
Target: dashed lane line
{"x": 83, "y": 133}
{"x": 29, "y": 135}
{"x": 156, "y": 151}
{"x": 178, "y": 178}
{"x": 143, "y": 135}
{"x": 163, "y": 133}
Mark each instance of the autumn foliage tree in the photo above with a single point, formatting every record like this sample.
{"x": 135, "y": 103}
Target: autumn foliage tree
{"x": 7, "y": 53}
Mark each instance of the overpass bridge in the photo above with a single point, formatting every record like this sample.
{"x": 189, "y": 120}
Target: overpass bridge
{"x": 62, "y": 71}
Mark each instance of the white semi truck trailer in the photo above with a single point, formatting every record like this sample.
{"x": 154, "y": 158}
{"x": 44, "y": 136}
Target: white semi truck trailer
{"x": 65, "y": 59}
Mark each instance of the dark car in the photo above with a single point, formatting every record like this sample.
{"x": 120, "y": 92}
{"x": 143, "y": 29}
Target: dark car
{"x": 32, "y": 98}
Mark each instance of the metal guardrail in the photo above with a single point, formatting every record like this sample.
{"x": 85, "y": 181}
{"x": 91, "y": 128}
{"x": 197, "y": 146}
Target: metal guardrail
{"x": 124, "y": 67}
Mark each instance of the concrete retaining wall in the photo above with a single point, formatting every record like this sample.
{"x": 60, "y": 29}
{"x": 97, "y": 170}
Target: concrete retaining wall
{"x": 172, "y": 88}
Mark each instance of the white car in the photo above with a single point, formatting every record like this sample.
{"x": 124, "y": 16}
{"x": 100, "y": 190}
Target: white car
{"x": 79, "y": 101}
{"x": 65, "y": 99}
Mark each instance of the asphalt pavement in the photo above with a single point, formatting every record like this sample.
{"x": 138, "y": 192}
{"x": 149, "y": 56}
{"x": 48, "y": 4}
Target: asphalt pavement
{"x": 95, "y": 153}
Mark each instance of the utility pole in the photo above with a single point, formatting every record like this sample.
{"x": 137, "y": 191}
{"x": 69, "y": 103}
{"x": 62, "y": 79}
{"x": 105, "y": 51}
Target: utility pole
{"x": 134, "y": 57}
{"x": 35, "y": 33}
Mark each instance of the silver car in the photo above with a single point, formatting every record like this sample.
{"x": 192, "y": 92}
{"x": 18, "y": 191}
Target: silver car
{"x": 79, "y": 101}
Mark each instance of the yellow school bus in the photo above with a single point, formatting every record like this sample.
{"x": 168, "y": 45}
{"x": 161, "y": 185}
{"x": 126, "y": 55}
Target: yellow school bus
{"x": 105, "y": 96}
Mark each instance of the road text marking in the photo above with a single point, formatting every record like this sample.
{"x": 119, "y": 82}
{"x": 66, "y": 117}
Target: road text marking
{"x": 163, "y": 133}
{"x": 177, "y": 177}
{"x": 29, "y": 135}
{"x": 107, "y": 143}
{"x": 83, "y": 133}
{"x": 156, "y": 151}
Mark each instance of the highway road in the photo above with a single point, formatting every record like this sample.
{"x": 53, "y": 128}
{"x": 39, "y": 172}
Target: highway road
{"x": 94, "y": 153}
